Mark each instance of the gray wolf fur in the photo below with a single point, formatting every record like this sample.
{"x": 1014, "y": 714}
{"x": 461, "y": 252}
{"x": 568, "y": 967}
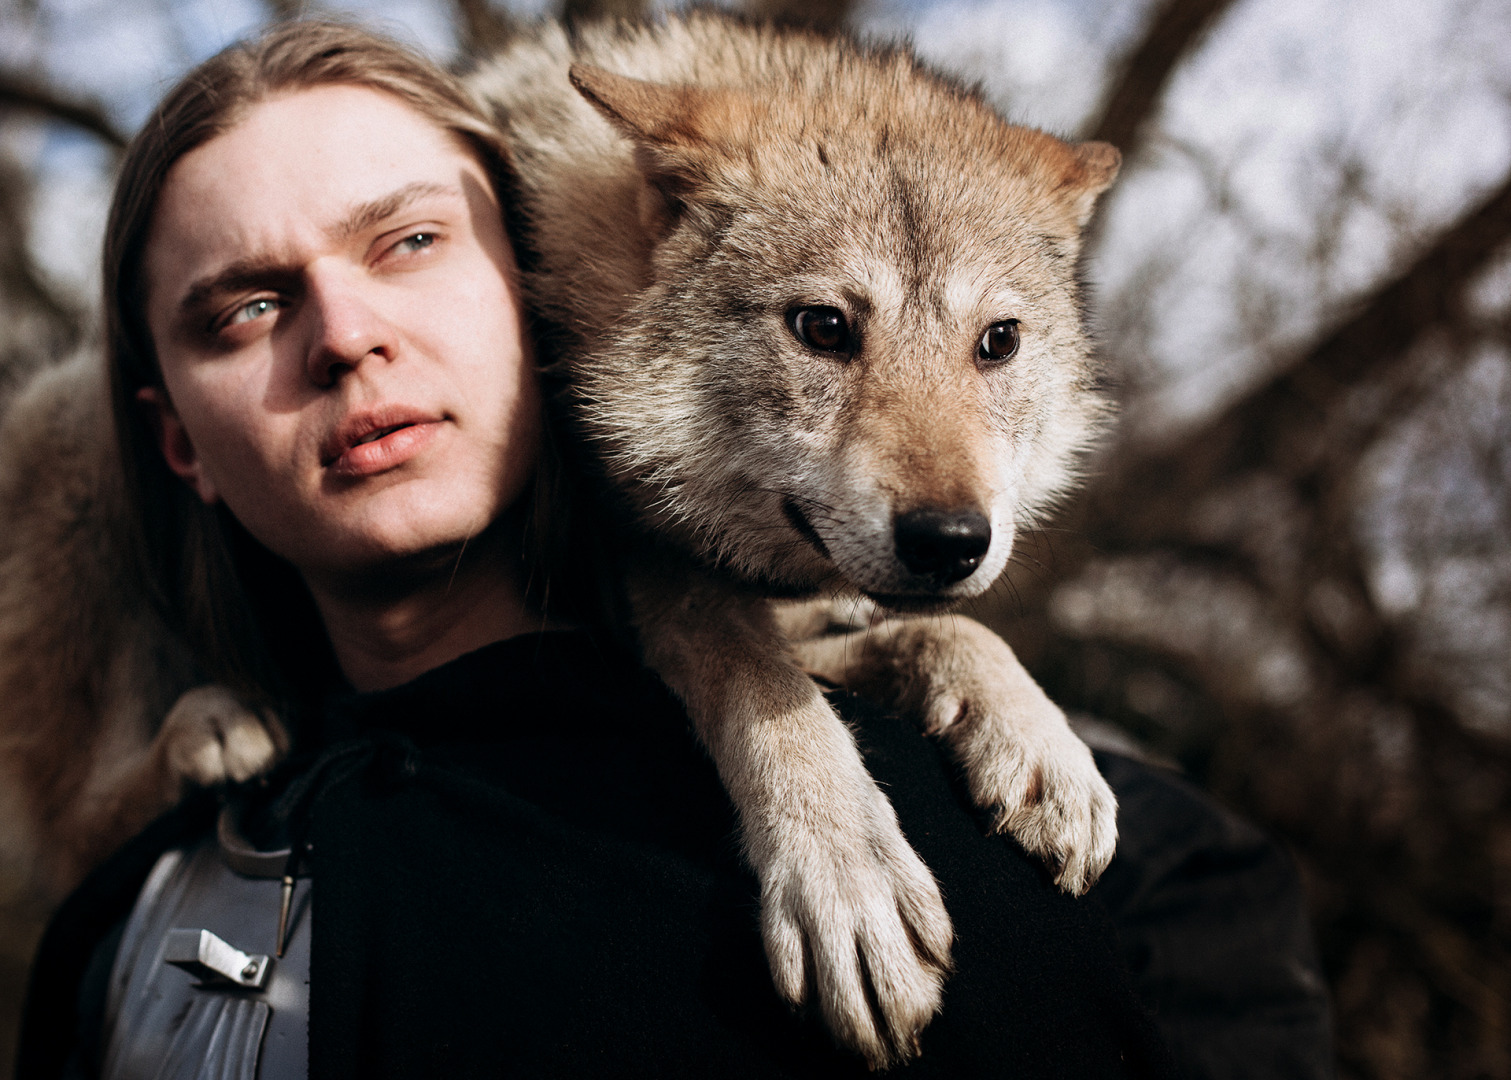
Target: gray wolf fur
{"x": 818, "y": 323}
{"x": 682, "y": 219}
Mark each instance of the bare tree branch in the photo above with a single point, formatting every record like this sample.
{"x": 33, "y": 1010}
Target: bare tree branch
{"x": 825, "y": 15}
{"x": 583, "y": 11}
{"x": 1178, "y": 28}
{"x": 286, "y": 10}
{"x": 482, "y": 27}
{"x": 1278, "y": 424}
{"x": 23, "y": 92}
{"x": 1145, "y": 500}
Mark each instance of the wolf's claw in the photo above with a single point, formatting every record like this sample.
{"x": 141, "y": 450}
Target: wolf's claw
{"x": 1021, "y": 760}
{"x": 854, "y": 918}
{"x": 1038, "y": 779}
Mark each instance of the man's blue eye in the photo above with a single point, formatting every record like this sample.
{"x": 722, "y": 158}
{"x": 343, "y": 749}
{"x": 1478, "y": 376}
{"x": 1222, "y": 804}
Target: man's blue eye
{"x": 417, "y": 241}
{"x": 254, "y": 309}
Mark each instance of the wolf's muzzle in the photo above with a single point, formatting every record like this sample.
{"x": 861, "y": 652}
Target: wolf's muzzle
{"x": 942, "y": 546}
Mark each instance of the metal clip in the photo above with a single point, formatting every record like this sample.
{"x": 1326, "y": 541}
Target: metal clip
{"x": 285, "y": 900}
{"x": 213, "y": 960}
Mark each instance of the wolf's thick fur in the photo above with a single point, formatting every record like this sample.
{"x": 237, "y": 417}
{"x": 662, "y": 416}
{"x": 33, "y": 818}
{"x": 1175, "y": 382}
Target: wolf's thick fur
{"x": 689, "y": 189}
{"x": 677, "y": 218}
{"x": 90, "y": 750}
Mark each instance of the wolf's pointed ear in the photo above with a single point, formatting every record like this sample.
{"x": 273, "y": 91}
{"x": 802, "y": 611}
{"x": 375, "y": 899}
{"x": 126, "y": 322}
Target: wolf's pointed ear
{"x": 1097, "y": 164}
{"x": 645, "y": 111}
{"x": 671, "y": 126}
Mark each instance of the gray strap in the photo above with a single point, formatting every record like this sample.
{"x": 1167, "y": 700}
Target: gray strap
{"x": 239, "y": 853}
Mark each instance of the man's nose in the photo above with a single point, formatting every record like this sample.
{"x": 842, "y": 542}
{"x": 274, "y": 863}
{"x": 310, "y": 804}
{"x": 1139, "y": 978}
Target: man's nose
{"x": 346, "y": 324}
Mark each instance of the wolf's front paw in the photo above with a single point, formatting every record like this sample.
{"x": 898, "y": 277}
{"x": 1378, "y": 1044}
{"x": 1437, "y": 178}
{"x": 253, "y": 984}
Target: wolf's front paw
{"x": 209, "y": 737}
{"x": 851, "y": 915}
{"x": 1025, "y": 765}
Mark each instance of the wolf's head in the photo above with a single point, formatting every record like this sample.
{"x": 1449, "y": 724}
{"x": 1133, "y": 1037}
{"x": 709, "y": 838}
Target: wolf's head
{"x": 858, "y": 349}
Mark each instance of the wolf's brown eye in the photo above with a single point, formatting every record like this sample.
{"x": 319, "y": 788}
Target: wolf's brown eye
{"x": 822, "y": 328}
{"x": 999, "y": 342}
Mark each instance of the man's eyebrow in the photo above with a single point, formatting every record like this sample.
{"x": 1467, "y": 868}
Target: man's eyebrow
{"x": 236, "y": 276}
{"x": 254, "y": 272}
{"x": 364, "y": 216}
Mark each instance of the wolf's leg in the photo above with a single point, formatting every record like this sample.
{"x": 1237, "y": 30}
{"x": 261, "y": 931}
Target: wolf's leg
{"x": 1020, "y": 758}
{"x": 846, "y": 904}
{"x": 208, "y": 737}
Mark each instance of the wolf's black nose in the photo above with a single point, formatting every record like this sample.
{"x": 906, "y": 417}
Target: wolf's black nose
{"x": 944, "y": 546}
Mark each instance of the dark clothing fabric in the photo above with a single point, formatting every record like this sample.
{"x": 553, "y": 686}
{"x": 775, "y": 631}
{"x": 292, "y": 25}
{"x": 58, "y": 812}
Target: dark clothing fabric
{"x": 562, "y": 866}
{"x": 525, "y": 865}
{"x": 1215, "y": 933}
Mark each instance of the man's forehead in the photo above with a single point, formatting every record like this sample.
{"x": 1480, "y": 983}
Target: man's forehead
{"x": 297, "y": 168}
{"x": 319, "y": 149}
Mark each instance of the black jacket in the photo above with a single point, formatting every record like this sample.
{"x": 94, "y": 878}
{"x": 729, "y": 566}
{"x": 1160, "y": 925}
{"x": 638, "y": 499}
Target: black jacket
{"x": 526, "y": 866}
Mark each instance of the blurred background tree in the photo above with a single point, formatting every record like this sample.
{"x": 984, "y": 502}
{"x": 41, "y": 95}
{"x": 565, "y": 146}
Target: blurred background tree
{"x": 1289, "y": 573}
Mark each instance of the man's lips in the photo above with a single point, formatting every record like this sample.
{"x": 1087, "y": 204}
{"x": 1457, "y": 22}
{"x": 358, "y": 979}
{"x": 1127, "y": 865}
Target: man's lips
{"x": 377, "y": 440}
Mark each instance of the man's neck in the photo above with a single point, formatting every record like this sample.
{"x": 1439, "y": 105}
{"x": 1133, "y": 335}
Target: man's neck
{"x": 386, "y": 632}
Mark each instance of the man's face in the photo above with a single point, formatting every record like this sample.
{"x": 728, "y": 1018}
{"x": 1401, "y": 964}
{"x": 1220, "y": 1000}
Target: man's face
{"x": 332, "y": 298}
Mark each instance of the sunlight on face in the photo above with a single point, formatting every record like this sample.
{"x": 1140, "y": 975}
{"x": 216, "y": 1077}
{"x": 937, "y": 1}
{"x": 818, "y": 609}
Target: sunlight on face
{"x": 332, "y": 298}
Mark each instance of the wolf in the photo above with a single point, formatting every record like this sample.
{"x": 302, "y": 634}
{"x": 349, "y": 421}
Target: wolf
{"x": 813, "y": 316}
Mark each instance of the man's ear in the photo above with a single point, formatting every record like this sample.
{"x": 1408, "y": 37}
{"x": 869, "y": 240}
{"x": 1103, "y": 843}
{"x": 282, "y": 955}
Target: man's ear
{"x": 173, "y": 440}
